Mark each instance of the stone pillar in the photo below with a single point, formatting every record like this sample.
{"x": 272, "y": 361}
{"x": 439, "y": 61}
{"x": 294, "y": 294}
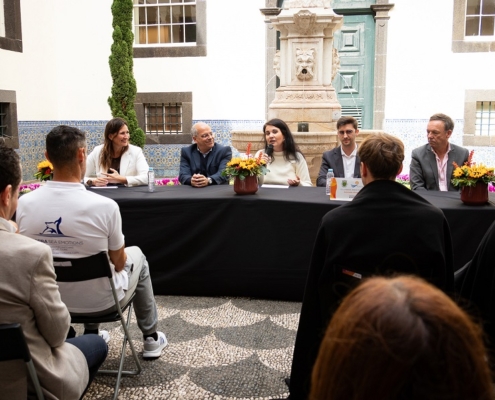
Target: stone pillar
{"x": 271, "y": 49}
{"x": 381, "y": 33}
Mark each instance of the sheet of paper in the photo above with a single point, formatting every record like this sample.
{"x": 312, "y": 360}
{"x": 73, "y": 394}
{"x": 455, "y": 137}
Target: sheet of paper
{"x": 275, "y": 186}
{"x": 103, "y": 187}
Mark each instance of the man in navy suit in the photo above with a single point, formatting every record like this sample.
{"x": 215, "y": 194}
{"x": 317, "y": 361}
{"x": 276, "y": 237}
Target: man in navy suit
{"x": 431, "y": 164}
{"x": 343, "y": 159}
{"x": 202, "y": 163}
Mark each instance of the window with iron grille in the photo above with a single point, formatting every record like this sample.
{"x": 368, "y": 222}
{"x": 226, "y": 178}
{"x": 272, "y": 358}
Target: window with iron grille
{"x": 164, "y": 22}
{"x": 480, "y": 18}
{"x": 9, "y": 132}
{"x": 163, "y": 118}
{"x": 485, "y": 118}
{"x": 3, "y": 120}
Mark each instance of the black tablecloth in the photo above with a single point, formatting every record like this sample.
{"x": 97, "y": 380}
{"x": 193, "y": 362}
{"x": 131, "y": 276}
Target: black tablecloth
{"x": 212, "y": 242}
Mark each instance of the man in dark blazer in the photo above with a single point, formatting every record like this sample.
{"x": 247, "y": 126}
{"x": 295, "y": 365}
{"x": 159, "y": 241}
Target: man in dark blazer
{"x": 432, "y": 164}
{"x": 202, "y": 163}
{"x": 386, "y": 229}
{"x": 347, "y": 129}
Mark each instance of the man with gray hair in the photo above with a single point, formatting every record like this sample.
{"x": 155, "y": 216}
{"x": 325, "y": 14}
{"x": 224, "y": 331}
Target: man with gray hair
{"x": 202, "y": 163}
{"x": 29, "y": 296}
{"x": 432, "y": 164}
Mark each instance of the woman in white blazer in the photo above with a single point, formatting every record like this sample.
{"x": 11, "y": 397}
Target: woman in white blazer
{"x": 116, "y": 161}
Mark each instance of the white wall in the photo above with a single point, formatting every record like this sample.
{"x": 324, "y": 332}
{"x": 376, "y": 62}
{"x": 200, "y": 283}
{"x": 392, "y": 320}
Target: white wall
{"x": 63, "y": 72}
{"x": 228, "y": 84}
{"x": 424, "y": 76}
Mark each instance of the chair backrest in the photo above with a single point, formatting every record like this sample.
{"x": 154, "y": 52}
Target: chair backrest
{"x": 13, "y": 345}
{"x": 82, "y": 269}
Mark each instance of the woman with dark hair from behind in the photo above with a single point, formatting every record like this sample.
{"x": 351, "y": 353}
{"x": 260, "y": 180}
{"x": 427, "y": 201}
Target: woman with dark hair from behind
{"x": 116, "y": 161}
{"x": 285, "y": 161}
{"x": 401, "y": 339}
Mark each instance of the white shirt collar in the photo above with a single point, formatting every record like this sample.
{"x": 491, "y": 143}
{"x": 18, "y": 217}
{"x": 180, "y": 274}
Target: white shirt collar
{"x": 7, "y": 225}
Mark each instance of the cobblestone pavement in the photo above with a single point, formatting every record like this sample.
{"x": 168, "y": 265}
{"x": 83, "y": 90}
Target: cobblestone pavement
{"x": 219, "y": 348}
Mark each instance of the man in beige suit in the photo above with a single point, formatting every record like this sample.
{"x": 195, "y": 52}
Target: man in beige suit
{"x": 29, "y": 295}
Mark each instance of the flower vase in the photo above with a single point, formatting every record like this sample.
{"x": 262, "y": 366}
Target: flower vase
{"x": 248, "y": 185}
{"x": 475, "y": 195}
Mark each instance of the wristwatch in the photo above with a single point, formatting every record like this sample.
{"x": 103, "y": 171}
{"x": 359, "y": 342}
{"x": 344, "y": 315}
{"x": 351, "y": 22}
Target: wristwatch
{"x": 89, "y": 182}
{"x": 210, "y": 181}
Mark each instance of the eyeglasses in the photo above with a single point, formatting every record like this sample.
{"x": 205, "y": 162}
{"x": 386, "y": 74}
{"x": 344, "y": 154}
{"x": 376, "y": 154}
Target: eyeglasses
{"x": 349, "y": 132}
{"x": 206, "y": 135}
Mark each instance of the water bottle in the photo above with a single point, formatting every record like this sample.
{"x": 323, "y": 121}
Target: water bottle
{"x": 151, "y": 180}
{"x": 330, "y": 175}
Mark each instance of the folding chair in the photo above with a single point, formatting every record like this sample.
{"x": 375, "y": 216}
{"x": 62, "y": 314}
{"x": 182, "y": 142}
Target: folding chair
{"x": 13, "y": 346}
{"x": 92, "y": 267}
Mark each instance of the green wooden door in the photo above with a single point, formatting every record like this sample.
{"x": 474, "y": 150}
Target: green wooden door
{"x": 354, "y": 81}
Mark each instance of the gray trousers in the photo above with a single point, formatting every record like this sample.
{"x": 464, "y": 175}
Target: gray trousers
{"x": 144, "y": 303}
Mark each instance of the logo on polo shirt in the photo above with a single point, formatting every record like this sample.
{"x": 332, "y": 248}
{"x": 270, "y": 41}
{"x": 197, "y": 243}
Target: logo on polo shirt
{"x": 52, "y": 228}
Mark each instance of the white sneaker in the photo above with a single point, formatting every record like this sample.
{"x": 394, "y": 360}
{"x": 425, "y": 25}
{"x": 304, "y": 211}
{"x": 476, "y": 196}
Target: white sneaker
{"x": 104, "y": 335}
{"x": 153, "y": 348}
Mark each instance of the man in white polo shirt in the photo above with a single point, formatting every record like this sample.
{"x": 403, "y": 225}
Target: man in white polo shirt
{"x": 77, "y": 223}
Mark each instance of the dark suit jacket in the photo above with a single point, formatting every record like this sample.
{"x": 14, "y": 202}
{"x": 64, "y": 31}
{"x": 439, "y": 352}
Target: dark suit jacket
{"x": 333, "y": 159}
{"x": 479, "y": 286}
{"x": 386, "y": 228}
{"x": 190, "y": 163}
{"x": 423, "y": 173}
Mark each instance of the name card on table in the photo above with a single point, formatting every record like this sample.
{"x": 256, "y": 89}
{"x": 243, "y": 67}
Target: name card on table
{"x": 344, "y": 189}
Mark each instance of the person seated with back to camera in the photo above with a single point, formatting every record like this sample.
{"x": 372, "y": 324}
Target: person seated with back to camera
{"x": 87, "y": 224}
{"x": 202, "y": 163}
{"x": 374, "y": 234}
{"x": 401, "y": 338}
{"x": 29, "y": 296}
{"x": 116, "y": 161}
{"x": 285, "y": 162}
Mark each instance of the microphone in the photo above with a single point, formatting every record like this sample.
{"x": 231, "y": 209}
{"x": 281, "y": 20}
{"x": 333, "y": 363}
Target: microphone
{"x": 269, "y": 150}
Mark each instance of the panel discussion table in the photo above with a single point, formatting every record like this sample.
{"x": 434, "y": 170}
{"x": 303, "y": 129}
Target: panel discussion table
{"x": 213, "y": 242}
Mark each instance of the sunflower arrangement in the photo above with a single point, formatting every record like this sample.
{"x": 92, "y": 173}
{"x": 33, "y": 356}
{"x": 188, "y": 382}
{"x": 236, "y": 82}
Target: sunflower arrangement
{"x": 470, "y": 174}
{"x": 45, "y": 171}
{"x": 245, "y": 166}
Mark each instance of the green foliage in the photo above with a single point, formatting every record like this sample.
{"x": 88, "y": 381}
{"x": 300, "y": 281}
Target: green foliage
{"x": 121, "y": 63}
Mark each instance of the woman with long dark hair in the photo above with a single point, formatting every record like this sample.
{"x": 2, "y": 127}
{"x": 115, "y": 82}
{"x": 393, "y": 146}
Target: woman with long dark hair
{"x": 401, "y": 339}
{"x": 286, "y": 164}
{"x": 116, "y": 161}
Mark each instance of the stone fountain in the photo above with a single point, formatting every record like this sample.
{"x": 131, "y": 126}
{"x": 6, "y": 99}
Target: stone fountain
{"x": 306, "y": 65}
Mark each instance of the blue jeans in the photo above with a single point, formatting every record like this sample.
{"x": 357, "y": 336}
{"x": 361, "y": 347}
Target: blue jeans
{"x": 95, "y": 351}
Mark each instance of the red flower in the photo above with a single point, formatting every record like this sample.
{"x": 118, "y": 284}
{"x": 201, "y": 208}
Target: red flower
{"x": 48, "y": 171}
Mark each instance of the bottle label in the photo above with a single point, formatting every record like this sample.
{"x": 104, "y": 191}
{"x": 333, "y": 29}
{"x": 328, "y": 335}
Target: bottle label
{"x": 333, "y": 188}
